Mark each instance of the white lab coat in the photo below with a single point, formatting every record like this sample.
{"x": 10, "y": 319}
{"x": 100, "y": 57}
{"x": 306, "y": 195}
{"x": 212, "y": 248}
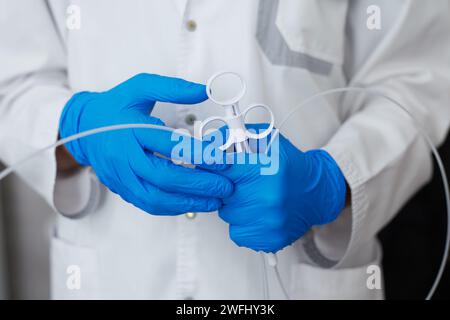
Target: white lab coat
{"x": 286, "y": 50}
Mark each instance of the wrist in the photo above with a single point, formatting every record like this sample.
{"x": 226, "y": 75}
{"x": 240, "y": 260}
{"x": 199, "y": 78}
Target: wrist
{"x": 69, "y": 125}
{"x": 65, "y": 163}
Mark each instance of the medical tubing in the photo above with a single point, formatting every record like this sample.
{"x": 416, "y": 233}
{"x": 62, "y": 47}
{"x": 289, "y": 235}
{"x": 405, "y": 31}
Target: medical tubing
{"x": 265, "y": 280}
{"x": 272, "y": 260}
{"x": 5, "y": 172}
{"x": 428, "y": 140}
{"x": 83, "y": 134}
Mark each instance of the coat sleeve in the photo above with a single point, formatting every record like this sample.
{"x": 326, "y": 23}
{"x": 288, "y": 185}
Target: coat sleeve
{"x": 380, "y": 150}
{"x": 33, "y": 90}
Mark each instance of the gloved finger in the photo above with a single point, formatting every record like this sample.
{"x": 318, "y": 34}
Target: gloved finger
{"x": 258, "y": 145}
{"x": 255, "y": 237}
{"x": 153, "y": 120}
{"x": 230, "y": 213}
{"x": 151, "y": 199}
{"x": 152, "y": 87}
{"x": 158, "y": 202}
{"x": 257, "y": 126}
{"x": 175, "y": 178}
{"x": 179, "y": 203}
{"x": 180, "y": 146}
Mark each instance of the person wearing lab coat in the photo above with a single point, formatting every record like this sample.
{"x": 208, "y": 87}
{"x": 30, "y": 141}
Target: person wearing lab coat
{"x": 287, "y": 50}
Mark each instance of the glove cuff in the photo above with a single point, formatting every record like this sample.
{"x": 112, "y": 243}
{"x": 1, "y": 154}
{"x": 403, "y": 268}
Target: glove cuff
{"x": 333, "y": 187}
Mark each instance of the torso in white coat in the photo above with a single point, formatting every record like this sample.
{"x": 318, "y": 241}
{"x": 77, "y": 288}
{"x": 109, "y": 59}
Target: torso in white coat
{"x": 128, "y": 253}
{"x": 286, "y": 50}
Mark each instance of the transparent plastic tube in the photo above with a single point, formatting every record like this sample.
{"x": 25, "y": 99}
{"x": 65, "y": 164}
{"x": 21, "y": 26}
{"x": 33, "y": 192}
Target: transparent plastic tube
{"x": 429, "y": 142}
{"x": 21, "y": 162}
{"x": 80, "y": 135}
{"x": 265, "y": 280}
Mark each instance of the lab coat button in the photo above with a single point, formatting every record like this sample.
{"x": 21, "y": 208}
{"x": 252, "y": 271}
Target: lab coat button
{"x": 191, "y": 25}
{"x": 190, "y": 119}
{"x": 190, "y": 215}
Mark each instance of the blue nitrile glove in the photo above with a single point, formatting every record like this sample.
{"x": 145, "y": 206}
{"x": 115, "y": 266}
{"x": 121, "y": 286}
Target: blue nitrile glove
{"x": 124, "y": 160}
{"x": 269, "y": 212}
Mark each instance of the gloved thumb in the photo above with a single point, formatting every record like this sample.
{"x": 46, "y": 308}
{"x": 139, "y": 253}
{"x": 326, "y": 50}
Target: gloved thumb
{"x": 145, "y": 89}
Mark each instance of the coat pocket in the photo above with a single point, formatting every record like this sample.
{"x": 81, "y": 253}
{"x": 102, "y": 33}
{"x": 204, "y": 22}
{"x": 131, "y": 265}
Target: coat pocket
{"x": 308, "y": 34}
{"x": 74, "y": 271}
{"x": 360, "y": 283}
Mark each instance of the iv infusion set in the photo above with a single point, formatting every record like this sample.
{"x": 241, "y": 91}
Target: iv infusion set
{"x": 234, "y": 119}
{"x": 238, "y": 138}
{"x": 238, "y": 135}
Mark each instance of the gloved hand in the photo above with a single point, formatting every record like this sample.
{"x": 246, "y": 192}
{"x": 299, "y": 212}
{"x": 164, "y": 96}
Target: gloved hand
{"x": 268, "y": 212}
{"x": 124, "y": 160}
